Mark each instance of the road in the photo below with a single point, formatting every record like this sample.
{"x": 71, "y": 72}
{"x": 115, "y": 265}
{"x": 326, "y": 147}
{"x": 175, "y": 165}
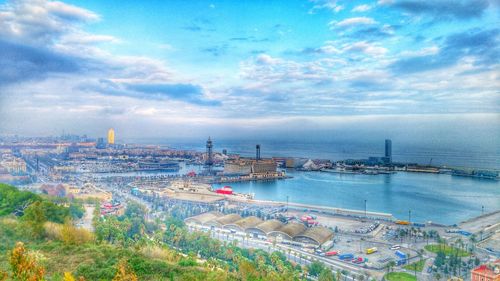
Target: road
{"x": 292, "y": 253}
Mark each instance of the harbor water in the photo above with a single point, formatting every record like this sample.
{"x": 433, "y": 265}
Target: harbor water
{"x": 440, "y": 198}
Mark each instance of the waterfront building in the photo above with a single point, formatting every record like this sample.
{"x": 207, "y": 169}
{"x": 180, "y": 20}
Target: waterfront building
{"x": 486, "y": 272}
{"x": 248, "y": 166}
{"x": 315, "y": 235}
{"x": 388, "y": 150}
{"x": 256, "y": 227}
{"x": 111, "y": 136}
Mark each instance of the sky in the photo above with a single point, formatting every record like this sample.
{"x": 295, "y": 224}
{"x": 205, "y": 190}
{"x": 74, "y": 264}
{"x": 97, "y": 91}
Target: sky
{"x": 426, "y": 69}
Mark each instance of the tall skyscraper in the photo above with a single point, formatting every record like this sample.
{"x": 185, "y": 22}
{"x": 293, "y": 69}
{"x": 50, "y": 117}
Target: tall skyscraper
{"x": 388, "y": 150}
{"x": 111, "y": 136}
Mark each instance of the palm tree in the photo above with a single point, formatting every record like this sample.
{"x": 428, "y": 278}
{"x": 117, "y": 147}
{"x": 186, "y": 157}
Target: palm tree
{"x": 345, "y": 273}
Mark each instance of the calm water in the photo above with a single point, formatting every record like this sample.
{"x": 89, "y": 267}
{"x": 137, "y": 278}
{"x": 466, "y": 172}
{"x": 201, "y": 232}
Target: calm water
{"x": 430, "y": 197}
{"x": 478, "y": 154}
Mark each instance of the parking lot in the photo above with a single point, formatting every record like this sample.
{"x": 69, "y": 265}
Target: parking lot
{"x": 358, "y": 246}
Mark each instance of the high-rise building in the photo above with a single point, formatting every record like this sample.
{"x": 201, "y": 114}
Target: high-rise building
{"x": 100, "y": 143}
{"x": 111, "y": 136}
{"x": 388, "y": 150}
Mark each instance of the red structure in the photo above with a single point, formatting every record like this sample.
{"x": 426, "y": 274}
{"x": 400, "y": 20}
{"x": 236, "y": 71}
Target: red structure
{"x": 486, "y": 272}
{"x": 227, "y": 190}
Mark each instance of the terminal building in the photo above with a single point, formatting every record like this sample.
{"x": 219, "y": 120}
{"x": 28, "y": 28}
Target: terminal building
{"x": 247, "y": 166}
{"x": 250, "y": 166}
{"x": 258, "y": 228}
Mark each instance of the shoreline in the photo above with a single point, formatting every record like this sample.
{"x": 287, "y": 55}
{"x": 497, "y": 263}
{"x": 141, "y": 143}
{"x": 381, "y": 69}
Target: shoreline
{"x": 358, "y": 214}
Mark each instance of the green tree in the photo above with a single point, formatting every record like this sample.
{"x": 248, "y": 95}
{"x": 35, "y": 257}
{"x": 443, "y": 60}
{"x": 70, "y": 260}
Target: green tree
{"x": 326, "y": 275}
{"x": 76, "y": 211}
{"x": 315, "y": 268}
{"x": 35, "y": 217}
{"x": 135, "y": 210}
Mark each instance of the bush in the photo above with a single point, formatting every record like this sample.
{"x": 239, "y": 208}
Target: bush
{"x": 187, "y": 262}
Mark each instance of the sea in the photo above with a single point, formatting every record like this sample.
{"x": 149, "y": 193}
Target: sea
{"x": 482, "y": 154}
{"x": 441, "y": 198}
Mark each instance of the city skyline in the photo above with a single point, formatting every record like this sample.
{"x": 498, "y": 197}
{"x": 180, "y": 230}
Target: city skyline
{"x": 250, "y": 68}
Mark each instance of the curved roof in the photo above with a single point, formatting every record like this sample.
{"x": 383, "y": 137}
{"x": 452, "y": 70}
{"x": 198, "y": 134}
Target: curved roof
{"x": 268, "y": 226}
{"x": 291, "y": 229}
{"x": 247, "y": 222}
{"x": 204, "y": 218}
{"x": 319, "y": 234}
{"x": 227, "y": 219}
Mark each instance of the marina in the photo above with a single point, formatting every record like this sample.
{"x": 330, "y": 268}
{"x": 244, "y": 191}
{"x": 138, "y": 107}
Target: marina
{"x": 439, "y": 198}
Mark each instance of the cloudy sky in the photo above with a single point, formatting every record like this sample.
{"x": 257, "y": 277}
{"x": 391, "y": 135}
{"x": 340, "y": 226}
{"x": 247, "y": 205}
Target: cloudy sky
{"x": 191, "y": 68}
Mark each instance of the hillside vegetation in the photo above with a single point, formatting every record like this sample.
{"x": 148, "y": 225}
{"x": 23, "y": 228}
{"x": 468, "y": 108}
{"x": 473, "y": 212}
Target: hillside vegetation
{"x": 39, "y": 242}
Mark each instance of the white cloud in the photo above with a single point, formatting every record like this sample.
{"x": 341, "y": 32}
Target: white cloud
{"x": 331, "y": 5}
{"x": 361, "y": 8}
{"x": 87, "y": 38}
{"x": 366, "y": 48}
{"x": 66, "y": 11}
{"x": 267, "y": 59}
{"x": 39, "y": 21}
{"x": 351, "y": 22}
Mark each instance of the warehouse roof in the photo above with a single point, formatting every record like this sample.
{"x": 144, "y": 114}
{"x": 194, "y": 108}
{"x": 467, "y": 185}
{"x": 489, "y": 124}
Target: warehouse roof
{"x": 245, "y": 223}
{"x": 204, "y": 218}
{"x": 291, "y": 230}
{"x": 318, "y": 234}
{"x": 268, "y": 226}
{"x": 227, "y": 219}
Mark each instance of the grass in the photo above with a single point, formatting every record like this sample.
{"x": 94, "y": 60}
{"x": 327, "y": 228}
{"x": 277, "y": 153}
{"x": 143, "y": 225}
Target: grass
{"x": 447, "y": 250}
{"x": 419, "y": 265}
{"x": 399, "y": 276}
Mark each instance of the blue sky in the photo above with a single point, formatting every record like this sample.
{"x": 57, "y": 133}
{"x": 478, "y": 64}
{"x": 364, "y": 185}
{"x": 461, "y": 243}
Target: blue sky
{"x": 220, "y": 67}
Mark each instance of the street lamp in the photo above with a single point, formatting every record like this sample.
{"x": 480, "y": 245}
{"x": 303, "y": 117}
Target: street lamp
{"x": 287, "y": 204}
{"x": 409, "y": 216}
{"x": 365, "y": 208}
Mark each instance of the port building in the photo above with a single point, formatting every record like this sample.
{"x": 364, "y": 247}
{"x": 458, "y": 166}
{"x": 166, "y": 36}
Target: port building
{"x": 243, "y": 224}
{"x": 264, "y": 228}
{"x": 224, "y": 220}
{"x": 204, "y": 218}
{"x": 248, "y": 166}
{"x": 314, "y": 235}
{"x": 258, "y": 228}
{"x": 288, "y": 231}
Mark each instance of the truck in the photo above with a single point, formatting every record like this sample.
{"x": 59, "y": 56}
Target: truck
{"x": 401, "y": 262}
{"x": 346, "y": 257}
{"x": 327, "y": 245}
{"x": 371, "y": 250}
{"x": 331, "y": 253}
{"x": 419, "y": 224}
{"x": 400, "y": 254}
